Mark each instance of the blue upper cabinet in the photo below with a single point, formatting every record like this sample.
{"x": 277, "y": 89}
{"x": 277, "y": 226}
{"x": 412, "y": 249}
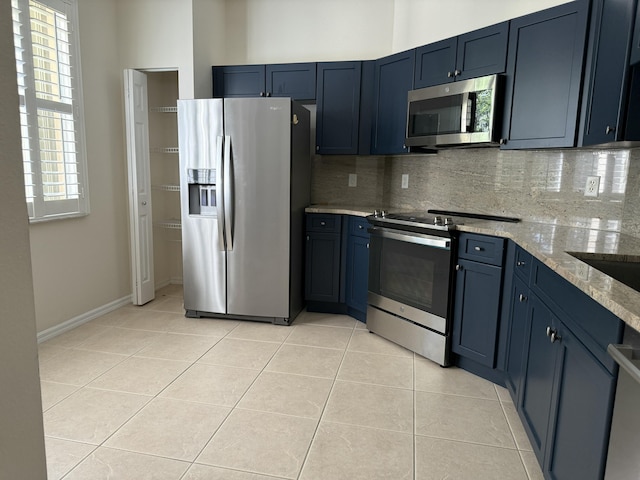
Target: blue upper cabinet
{"x": 436, "y": 63}
{"x": 238, "y": 81}
{"x": 393, "y": 80}
{"x": 295, "y": 80}
{"x": 474, "y": 54}
{"x": 544, "y": 77}
{"x": 338, "y": 107}
{"x": 607, "y": 71}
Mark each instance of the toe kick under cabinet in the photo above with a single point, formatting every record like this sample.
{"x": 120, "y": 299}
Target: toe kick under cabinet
{"x": 337, "y": 264}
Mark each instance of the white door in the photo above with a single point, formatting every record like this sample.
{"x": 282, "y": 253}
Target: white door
{"x": 139, "y": 173}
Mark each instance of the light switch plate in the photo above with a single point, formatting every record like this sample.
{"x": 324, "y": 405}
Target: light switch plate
{"x": 405, "y": 180}
{"x": 353, "y": 180}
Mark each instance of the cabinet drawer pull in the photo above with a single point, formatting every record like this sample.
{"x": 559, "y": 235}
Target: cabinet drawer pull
{"x": 522, "y": 297}
{"x": 478, "y": 249}
{"x": 367, "y": 245}
{"x": 553, "y": 335}
{"x": 449, "y": 74}
{"x": 456, "y": 73}
{"x": 458, "y": 268}
{"x": 360, "y": 227}
{"x": 323, "y": 223}
{"x": 520, "y": 264}
{"x": 609, "y": 130}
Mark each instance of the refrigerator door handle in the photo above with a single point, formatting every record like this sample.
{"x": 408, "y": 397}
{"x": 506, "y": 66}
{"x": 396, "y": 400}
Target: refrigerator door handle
{"x": 220, "y": 193}
{"x": 228, "y": 194}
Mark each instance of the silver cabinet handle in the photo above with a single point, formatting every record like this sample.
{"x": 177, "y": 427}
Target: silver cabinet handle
{"x": 367, "y": 245}
{"x": 449, "y": 74}
{"x": 456, "y": 73}
{"x": 323, "y": 223}
{"x": 609, "y": 130}
{"x": 360, "y": 227}
{"x": 522, "y": 297}
{"x": 478, "y": 249}
{"x": 520, "y": 264}
{"x": 458, "y": 268}
{"x": 553, "y": 335}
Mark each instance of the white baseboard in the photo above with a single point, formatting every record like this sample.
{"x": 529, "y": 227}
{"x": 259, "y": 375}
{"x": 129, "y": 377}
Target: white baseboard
{"x": 84, "y": 318}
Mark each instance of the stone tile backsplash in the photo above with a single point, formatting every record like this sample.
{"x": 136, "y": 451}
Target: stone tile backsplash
{"x": 541, "y": 185}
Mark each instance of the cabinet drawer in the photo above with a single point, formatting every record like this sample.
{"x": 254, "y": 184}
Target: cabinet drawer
{"x": 323, "y": 222}
{"x": 481, "y": 248}
{"x": 358, "y": 226}
{"x": 522, "y": 264}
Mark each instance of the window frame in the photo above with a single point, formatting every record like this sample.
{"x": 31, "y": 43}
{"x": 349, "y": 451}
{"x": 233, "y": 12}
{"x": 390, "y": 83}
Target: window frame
{"x": 77, "y": 202}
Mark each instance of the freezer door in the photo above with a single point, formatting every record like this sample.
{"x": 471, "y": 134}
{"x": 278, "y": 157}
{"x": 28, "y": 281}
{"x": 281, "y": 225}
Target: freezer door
{"x": 200, "y": 143}
{"x": 259, "y": 132}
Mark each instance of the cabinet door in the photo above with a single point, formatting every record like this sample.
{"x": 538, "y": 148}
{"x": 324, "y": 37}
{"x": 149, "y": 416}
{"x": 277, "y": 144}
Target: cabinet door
{"x": 482, "y": 52}
{"x": 435, "y": 63}
{"x": 357, "y": 272}
{"x": 539, "y": 371}
{"x": 544, "y": 74}
{"x": 578, "y": 441}
{"x": 322, "y": 269}
{"x": 338, "y": 107}
{"x": 295, "y": 80}
{"x": 239, "y": 81}
{"x": 393, "y": 80}
{"x": 518, "y": 326}
{"x": 476, "y": 311}
{"x": 604, "y": 104}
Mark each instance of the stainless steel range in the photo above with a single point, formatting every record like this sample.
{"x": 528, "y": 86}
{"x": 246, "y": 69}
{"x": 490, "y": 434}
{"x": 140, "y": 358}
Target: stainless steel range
{"x": 410, "y": 281}
{"x": 411, "y": 277}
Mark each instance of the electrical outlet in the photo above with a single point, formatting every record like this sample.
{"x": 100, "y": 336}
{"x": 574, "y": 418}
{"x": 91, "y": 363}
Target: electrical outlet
{"x": 592, "y": 187}
{"x": 405, "y": 180}
{"x": 353, "y": 180}
{"x": 582, "y": 271}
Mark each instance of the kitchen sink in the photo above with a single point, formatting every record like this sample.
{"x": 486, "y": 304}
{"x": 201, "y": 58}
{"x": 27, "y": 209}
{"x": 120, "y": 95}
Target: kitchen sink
{"x": 619, "y": 267}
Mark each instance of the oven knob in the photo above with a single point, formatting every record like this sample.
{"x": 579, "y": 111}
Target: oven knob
{"x": 437, "y": 220}
{"x": 376, "y": 213}
{"x": 383, "y": 213}
{"x": 448, "y": 221}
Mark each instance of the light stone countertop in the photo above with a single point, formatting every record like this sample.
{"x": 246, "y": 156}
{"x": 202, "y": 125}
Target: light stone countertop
{"x": 550, "y": 243}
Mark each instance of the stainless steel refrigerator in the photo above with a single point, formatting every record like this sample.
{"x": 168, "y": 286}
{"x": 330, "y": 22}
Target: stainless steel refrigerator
{"x": 244, "y": 184}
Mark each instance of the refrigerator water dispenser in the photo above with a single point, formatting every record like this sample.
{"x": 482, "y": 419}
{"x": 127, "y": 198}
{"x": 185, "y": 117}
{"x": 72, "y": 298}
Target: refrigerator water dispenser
{"x": 202, "y": 192}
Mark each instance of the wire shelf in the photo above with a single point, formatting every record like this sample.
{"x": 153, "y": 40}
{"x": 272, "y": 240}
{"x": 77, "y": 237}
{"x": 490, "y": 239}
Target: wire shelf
{"x": 163, "y": 109}
{"x": 166, "y": 188}
{"x": 170, "y": 224}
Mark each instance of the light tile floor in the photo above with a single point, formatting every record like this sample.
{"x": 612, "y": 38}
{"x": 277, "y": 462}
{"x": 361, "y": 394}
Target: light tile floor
{"x": 145, "y": 393}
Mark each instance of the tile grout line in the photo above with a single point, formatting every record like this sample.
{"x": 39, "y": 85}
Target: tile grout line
{"x": 324, "y": 408}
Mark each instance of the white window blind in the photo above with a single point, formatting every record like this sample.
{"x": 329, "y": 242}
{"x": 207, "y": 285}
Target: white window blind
{"x": 51, "y": 114}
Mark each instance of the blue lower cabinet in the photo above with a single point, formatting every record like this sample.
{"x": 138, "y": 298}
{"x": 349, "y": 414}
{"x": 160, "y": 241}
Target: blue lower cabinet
{"x": 519, "y": 308}
{"x": 357, "y": 268}
{"x": 539, "y": 372}
{"x": 337, "y": 264}
{"x": 583, "y": 401}
{"x": 558, "y": 377}
{"x": 476, "y": 311}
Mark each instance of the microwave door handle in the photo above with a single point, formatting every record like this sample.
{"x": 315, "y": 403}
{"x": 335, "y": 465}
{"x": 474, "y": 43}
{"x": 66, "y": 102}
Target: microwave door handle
{"x": 220, "y": 193}
{"x": 464, "y": 117}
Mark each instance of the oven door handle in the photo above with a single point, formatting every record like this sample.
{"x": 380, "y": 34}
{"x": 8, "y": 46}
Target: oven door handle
{"x": 412, "y": 237}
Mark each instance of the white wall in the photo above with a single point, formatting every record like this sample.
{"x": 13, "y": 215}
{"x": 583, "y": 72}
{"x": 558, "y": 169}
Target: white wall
{"x": 157, "y": 34}
{"x": 21, "y": 433}
{"x": 280, "y": 31}
{"x": 209, "y": 42}
{"x": 82, "y": 264}
{"x": 419, "y": 22}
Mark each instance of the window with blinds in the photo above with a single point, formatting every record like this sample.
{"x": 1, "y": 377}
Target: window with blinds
{"x": 48, "y": 67}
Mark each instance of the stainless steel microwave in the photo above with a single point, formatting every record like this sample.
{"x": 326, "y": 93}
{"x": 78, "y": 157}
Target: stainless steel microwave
{"x": 459, "y": 113}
